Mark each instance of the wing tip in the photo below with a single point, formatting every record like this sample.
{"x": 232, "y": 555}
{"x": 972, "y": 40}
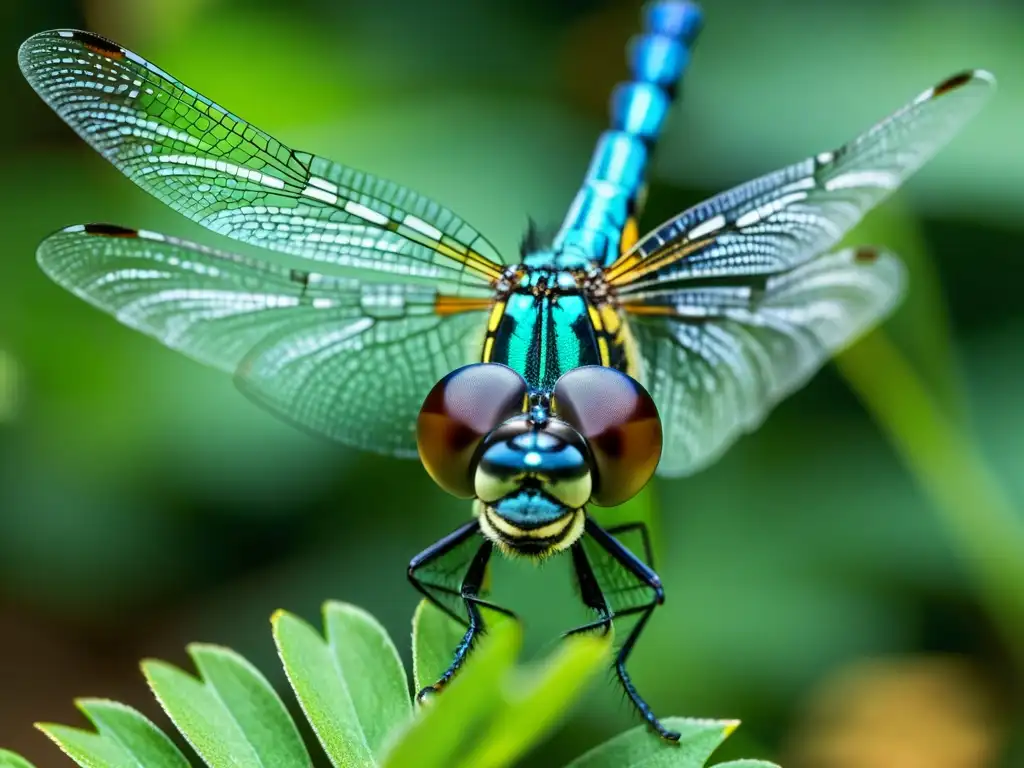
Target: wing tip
{"x": 95, "y": 43}
{"x": 44, "y": 40}
{"x": 99, "y": 229}
{"x": 108, "y": 230}
{"x": 46, "y": 251}
{"x": 27, "y": 49}
{"x": 959, "y": 81}
{"x": 979, "y": 82}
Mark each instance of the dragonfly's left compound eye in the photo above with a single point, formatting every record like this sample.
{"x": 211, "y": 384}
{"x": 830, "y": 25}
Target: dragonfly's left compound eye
{"x": 459, "y": 412}
{"x": 618, "y": 419}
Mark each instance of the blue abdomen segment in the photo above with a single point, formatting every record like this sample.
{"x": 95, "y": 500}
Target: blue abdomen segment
{"x": 615, "y": 178}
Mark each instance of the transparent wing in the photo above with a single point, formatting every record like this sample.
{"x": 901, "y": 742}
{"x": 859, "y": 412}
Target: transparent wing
{"x": 717, "y": 358}
{"x": 345, "y": 359}
{"x": 623, "y": 590}
{"x": 783, "y": 219}
{"x": 236, "y": 180}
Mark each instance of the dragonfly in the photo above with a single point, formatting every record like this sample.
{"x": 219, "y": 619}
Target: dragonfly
{"x": 538, "y": 387}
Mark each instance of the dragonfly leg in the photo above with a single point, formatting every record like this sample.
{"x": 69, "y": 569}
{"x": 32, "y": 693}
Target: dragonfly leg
{"x": 644, "y": 537}
{"x": 430, "y": 556}
{"x": 590, "y": 592}
{"x": 470, "y": 594}
{"x": 648, "y": 577}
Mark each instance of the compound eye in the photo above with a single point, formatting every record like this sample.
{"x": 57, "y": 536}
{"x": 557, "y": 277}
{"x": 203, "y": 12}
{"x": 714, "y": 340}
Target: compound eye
{"x": 618, "y": 419}
{"x": 459, "y": 412}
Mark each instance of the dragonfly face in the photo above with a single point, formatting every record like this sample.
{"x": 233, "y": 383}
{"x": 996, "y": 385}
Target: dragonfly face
{"x": 532, "y": 480}
{"x": 519, "y": 386}
{"x": 533, "y": 460}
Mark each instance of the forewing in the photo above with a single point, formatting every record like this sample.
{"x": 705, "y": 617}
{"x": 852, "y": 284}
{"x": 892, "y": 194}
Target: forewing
{"x": 781, "y": 220}
{"x": 234, "y": 179}
{"x": 341, "y": 358}
{"x": 717, "y": 358}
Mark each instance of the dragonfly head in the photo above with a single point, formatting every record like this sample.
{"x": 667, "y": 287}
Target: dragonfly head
{"x": 533, "y": 461}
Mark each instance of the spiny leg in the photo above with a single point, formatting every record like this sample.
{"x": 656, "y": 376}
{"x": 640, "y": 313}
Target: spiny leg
{"x": 631, "y": 563}
{"x": 645, "y": 537}
{"x": 591, "y": 594}
{"x": 590, "y": 588}
{"x": 469, "y": 592}
{"x": 431, "y": 555}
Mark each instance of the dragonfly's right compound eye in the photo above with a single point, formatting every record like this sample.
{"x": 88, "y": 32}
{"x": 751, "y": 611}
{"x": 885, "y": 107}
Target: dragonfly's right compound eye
{"x": 619, "y": 420}
{"x": 457, "y": 415}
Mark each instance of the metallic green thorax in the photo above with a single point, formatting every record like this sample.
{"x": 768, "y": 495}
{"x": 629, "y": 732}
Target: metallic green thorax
{"x": 549, "y": 321}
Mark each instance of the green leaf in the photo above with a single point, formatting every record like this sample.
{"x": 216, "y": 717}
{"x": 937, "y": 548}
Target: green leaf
{"x": 536, "y": 700}
{"x": 123, "y": 737}
{"x": 437, "y": 735}
{"x": 639, "y": 748}
{"x": 352, "y": 687}
{"x": 435, "y": 635}
{"x": 10, "y": 760}
{"x": 231, "y": 716}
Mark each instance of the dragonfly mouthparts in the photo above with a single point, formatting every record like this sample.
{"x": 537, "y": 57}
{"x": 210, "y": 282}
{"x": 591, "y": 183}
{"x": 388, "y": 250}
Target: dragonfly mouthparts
{"x": 530, "y": 523}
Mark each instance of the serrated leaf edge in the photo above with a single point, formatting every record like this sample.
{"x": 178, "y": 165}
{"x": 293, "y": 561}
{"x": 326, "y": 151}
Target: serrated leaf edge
{"x": 82, "y": 705}
{"x": 198, "y": 648}
{"x": 45, "y": 727}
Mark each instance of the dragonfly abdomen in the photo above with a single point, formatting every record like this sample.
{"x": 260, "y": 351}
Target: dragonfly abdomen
{"x": 601, "y": 221}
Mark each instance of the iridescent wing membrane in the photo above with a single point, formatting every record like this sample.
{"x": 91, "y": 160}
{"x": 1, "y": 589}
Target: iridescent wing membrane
{"x": 339, "y": 357}
{"x": 737, "y": 302}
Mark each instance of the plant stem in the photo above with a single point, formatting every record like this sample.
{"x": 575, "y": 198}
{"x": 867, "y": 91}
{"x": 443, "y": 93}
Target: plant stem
{"x": 971, "y": 504}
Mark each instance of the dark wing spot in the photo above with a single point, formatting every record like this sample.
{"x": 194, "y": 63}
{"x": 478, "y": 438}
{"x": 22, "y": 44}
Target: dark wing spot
{"x": 99, "y": 45}
{"x": 110, "y": 230}
{"x": 302, "y": 278}
{"x": 866, "y": 255}
{"x": 952, "y": 83}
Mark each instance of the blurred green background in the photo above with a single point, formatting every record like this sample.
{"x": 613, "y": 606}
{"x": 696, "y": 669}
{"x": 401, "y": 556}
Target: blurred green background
{"x": 849, "y": 580}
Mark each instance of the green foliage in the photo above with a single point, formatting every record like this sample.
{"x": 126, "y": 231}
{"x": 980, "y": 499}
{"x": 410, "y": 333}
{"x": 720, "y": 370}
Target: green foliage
{"x": 351, "y": 686}
{"x": 122, "y": 737}
{"x": 230, "y": 715}
{"x": 635, "y": 748}
{"x": 11, "y": 760}
{"x": 433, "y": 636}
{"x": 534, "y": 701}
{"x": 437, "y": 737}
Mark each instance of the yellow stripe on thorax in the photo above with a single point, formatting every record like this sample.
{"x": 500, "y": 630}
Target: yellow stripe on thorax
{"x": 493, "y": 321}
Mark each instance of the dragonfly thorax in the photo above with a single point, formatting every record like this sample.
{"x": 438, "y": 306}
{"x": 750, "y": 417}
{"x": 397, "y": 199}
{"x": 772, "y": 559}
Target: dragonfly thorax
{"x": 549, "y": 318}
